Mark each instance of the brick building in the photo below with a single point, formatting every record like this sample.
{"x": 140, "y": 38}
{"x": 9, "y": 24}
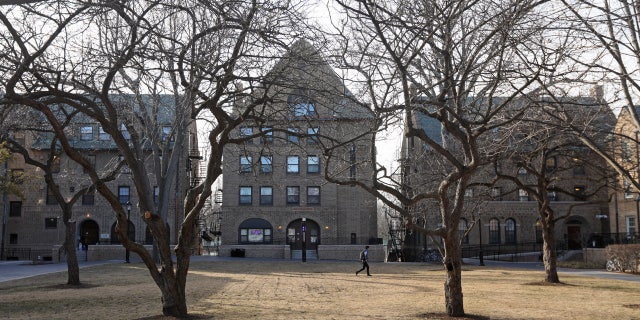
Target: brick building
{"x": 33, "y": 224}
{"x": 276, "y": 201}
{"x": 506, "y": 217}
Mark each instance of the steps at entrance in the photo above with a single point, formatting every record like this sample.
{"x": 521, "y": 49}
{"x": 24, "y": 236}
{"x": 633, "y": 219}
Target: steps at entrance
{"x": 297, "y": 254}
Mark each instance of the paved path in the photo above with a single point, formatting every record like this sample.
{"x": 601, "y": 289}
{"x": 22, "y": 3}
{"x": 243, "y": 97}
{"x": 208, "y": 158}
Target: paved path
{"x": 12, "y": 270}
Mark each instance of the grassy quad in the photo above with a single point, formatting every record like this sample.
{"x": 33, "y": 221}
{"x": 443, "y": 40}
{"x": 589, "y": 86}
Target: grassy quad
{"x": 247, "y": 289}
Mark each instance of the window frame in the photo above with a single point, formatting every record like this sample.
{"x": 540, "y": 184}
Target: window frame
{"x": 266, "y": 199}
{"x": 246, "y": 164}
{"x": 293, "y": 195}
{"x": 494, "y": 231}
{"x": 266, "y": 164}
{"x": 316, "y": 165}
{"x": 291, "y": 165}
{"x": 15, "y": 209}
{"x": 86, "y": 133}
{"x": 124, "y": 197}
{"x": 314, "y": 200}
{"x": 245, "y": 199}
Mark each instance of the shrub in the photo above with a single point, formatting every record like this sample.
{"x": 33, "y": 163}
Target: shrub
{"x": 624, "y": 256}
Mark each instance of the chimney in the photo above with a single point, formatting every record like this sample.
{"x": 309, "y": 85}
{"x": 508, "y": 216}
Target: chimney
{"x": 597, "y": 92}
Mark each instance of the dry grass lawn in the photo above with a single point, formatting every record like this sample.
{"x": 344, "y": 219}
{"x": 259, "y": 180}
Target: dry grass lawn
{"x": 249, "y": 289}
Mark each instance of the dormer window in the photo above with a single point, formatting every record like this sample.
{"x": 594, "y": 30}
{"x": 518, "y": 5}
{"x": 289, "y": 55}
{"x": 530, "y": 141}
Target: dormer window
{"x": 301, "y": 105}
{"x": 86, "y": 133}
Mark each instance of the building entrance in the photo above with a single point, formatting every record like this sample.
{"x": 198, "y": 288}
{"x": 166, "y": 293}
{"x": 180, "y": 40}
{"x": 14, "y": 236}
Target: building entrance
{"x": 295, "y": 232}
{"x": 89, "y": 232}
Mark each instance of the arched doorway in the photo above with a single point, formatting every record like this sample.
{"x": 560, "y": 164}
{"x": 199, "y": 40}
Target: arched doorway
{"x": 131, "y": 232}
{"x": 89, "y": 232}
{"x": 574, "y": 234}
{"x": 312, "y": 238}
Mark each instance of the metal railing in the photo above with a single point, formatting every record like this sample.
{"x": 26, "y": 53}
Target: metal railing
{"x": 27, "y": 254}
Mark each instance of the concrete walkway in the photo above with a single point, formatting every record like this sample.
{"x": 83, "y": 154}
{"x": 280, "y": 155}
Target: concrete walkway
{"x": 13, "y": 270}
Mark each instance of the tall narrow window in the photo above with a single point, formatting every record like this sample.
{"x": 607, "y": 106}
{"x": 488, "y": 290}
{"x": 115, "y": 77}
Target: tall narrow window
{"x": 313, "y": 164}
{"x": 313, "y": 195}
{"x": 124, "y": 194}
{"x": 625, "y": 151}
{"x": 631, "y": 226}
{"x": 266, "y": 196}
{"x": 15, "y": 208}
{"x": 551, "y": 164}
{"x": 51, "y": 199}
{"x": 579, "y": 192}
{"x": 267, "y": 135}
{"x": 494, "y": 231}
{"x": 89, "y": 198}
{"x": 51, "y": 223}
{"x": 156, "y": 194}
{"x": 293, "y": 135}
{"x": 125, "y": 132}
{"x": 313, "y": 135}
{"x": 293, "y": 164}
{"x": 293, "y": 195}
{"x": 462, "y": 231}
{"x": 245, "y": 164}
{"x": 245, "y": 195}
{"x": 352, "y": 163}
{"x": 496, "y": 193}
{"x": 265, "y": 164}
{"x": 510, "y": 231}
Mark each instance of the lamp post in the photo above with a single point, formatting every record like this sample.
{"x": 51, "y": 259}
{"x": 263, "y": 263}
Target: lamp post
{"x": 304, "y": 240}
{"x": 126, "y": 257}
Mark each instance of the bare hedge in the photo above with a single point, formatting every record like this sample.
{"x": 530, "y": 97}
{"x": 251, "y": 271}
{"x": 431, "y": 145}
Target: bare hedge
{"x": 625, "y": 256}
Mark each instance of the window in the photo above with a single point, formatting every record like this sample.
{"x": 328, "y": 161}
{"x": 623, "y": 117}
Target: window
{"x": 13, "y": 238}
{"x": 265, "y": 164}
{"x": 50, "y": 223}
{"x": 245, "y": 133}
{"x": 266, "y": 196}
{"x": 123, "y": 194}
{"x": 550, "y": 164}
{"x": 522, "y": 171}
{"x": 313, "y": 195}
{"x": 313, "y": 135}
{"x": 468, "y": 193}
{"x": 51, "y": 199}
{"x": 523, "y": 195}
{"x": 462, "y": 231}
{"x": 86, "y": 133}
{"x": 578, "y": 167}
{"x": 15, "y": 208}
{"x": 313, "y": 164}
{"x": 245, "y": 195}
{"x": 628, "y": 190}
{"x": 125, "y": 132}
{"x": 165, "y": 134}
{"x": 352, "y": 162}
{"x": 625, "y": 152}
{"x": 156, "y": 194}
{"x": 510, "y": 231}
{"x": 494, "y": 231}
{"x": 92, "y": 161}
{"x": 267, "y": 135}
{"x": 293, "y": 135}
{"x": 553, "y": 196}
{"x": 496, "y": 193}
{"x": 631, "y": 226}
{"x": 303, "y": 109}
{"x": 255, "y": 231}
{"x": 89, "y": 198}
{"x": 245, "y": 164}
{"x": 17, "y": 176}
{"x": 579, "y": 192}
{"x": 293, "y": 164}
{"x": 293, "y": 195}
{"x": 103, "y": 136}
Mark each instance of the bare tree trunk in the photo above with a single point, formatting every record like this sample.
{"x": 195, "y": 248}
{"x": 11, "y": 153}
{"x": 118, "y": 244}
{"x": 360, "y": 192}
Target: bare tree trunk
{"x": 73, "y": 271}
{"x": 453, "y": 283}
{"x": 549, "y": 256}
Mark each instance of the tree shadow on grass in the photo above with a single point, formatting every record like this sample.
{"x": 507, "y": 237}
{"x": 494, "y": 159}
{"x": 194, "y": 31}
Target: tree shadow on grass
{"x": 189, "y": 317}
{"x": 551, "y": 284}
{"x": 71, "y": 286}
{"x": 444, "y": 316}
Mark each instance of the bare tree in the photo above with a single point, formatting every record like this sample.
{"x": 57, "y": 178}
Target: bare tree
{"x": 115, "y": 62}
{"x": 444, "y": 61}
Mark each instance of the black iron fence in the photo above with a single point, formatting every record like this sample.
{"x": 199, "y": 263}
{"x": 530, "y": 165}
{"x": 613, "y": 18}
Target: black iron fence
{"x": 601, "y": 240}
{"x": 27, "y": 254}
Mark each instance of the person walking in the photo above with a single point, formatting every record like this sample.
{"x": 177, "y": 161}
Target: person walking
{"x": 364, "y": 257}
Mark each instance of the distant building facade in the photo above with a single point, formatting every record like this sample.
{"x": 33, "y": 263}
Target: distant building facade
{"x": 34, "y": 226}
{"x": 276, "y": 201}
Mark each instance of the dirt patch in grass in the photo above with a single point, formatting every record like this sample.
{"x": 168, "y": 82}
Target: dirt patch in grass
{"x": 632, "y": 306}
{"x": 71, "y": 286}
